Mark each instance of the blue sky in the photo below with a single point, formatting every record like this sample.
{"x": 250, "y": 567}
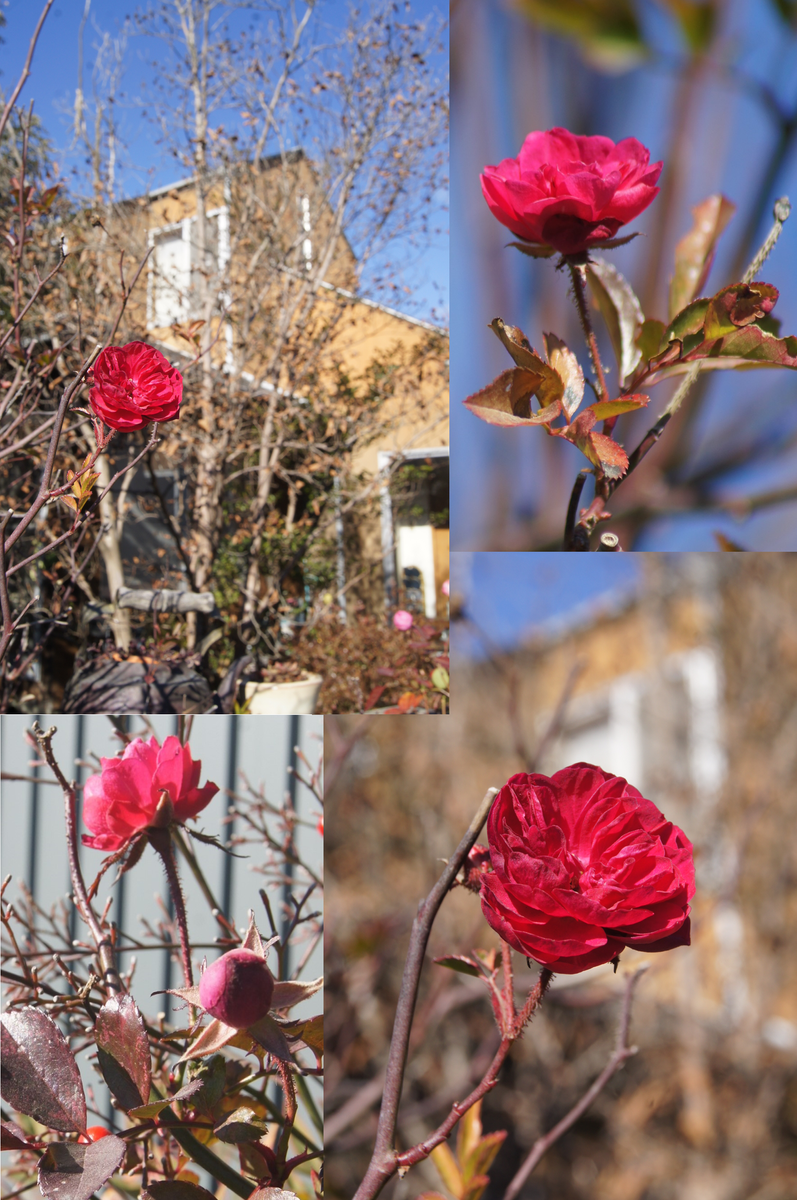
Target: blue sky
{"x": 145, "y": 164}
{"x": 510, "y": 595}
{"x": 506, "y": 84}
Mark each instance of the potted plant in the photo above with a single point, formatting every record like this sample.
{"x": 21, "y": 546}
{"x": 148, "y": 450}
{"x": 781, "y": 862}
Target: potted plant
{"x": 282, "y": 688}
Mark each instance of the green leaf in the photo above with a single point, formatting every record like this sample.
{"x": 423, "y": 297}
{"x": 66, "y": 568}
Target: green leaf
{"x": 621, "y": 311}
{"x": 750, "y": 345}
{"x": 697, "y": 20}
{"x": 694, "y": 254}
{"x": 440, "y": 679}
{"x": 689, "y": 321}
{"x": 446, "y": 1164}
{"x": 614, "y": 408}
{"x": 533, "y": 250}
{"x": 242, "y": 1125}
{"x": 606, "y": 31}
{"x": 650, "y": 339}
{"x": 458, "y": 962}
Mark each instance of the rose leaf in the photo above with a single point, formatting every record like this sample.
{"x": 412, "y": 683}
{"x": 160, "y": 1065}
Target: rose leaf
{"x": 40, "y": 1075}
{"x": 614, "y": 408}
{"x": 123, "y": 1051}
{"x": 738, "y": 305}
{"x": 748, "y": 346}
{"x": 267, "y": 1033}
{"x": 621, "y": 311}
{"x": 694, "y": 254}
{"x": 507, "y": 400}
{"x": 565, "y": 363}
{"x": 242, "y": 1125}
{"x": 71, "y": 1171}
{"x": 460, "y": 963}
{"x": 175, "y": 1189}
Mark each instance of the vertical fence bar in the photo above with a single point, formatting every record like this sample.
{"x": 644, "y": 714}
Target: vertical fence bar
{"x": 232, "y": 772}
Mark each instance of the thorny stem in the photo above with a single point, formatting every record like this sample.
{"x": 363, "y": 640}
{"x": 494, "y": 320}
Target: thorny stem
{"x": 622, "y": 1051}
{"x": 577, "y": 274}
{"x": 384, "y": 1161}
{"x": 102, "y": 942}
{"x": 161, "y": 842}
{"x": 780, "y": 213}
{"x": 458, "y": 1110}
{"x": 289, "y": 1090}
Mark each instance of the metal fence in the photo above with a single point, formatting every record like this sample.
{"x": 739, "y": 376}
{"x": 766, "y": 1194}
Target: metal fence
{"x": 232, "y": 749}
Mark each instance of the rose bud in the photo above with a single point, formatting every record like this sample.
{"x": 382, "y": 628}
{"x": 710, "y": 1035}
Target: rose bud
{"x": 237, "y": 988}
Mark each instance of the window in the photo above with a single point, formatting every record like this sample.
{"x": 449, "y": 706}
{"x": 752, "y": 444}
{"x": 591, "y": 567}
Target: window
{"x": 174, "y": 278}
{"x": 661, "y": 731}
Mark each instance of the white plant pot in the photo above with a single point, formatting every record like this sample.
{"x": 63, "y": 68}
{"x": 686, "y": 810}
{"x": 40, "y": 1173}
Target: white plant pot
{"x": 295, "y": 696}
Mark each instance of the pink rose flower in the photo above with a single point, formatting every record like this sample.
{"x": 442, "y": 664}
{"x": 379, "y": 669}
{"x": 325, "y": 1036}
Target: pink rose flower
{"x": 583, "y": 866}
{"x": 134, "y": 385}
{"x": 571, "y": 192}
{"x": 127, "y": 796}
{"x": 402, "y": 620}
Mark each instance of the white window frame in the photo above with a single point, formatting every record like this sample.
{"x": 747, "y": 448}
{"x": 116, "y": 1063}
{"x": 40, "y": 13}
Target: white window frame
{"x": 223, "y": 254}
{"x": 384, "y": 461}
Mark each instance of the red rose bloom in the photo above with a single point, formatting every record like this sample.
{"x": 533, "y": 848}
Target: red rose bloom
{"x": 584, "y": 866}
{"x": 123, "y": 800}
{"x": 134, "y": 385}
{"x": 571, "y": 192}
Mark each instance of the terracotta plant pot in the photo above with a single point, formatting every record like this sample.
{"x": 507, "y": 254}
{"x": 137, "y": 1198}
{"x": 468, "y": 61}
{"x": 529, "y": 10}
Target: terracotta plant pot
{"x": 293, "y": 696}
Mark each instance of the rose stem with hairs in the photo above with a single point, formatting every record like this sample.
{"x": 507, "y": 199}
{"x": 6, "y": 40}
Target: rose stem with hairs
{"x": 102, "y": 941}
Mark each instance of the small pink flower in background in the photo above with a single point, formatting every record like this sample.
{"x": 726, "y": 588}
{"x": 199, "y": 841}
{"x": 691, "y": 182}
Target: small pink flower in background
{"x": 134, "y": 385}
{"x": 583, "y": 866}
{"x": 127, "y": 796}
{"x": 444, "y": 588}
{"x": 571, "y": 192}
{"x": 402, "y": 620}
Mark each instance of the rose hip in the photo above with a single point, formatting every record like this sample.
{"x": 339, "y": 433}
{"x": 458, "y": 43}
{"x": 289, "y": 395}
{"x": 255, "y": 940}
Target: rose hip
{"x": 237, "y": 988}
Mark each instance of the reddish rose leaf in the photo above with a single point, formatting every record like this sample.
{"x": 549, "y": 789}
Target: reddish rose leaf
{"x": 157, "y": 1106}
{"x": 737, "y": 306}
{"x": 39, "y": 1072}
{"x": 71, "y": 1171}
{"x": 12, "y": 1138}
{"x": 373, "y": 696}
{"x": 507, "y": 400}
{"x": 123, "y": 1051}
{"x": 175, "y": 1189}
{"x": 694, "y": 254}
